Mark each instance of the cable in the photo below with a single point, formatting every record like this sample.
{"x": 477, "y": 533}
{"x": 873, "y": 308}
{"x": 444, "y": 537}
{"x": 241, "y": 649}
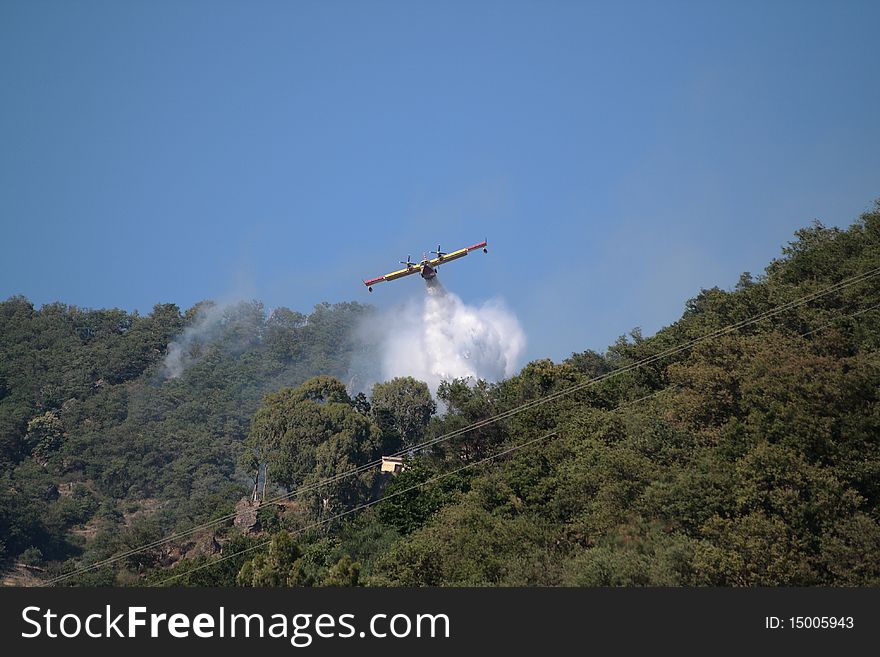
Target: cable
{"x": 360, "y": 507}
{"x": 437, "y": 477}
{"x": 571, "y": 389}
{"x": 837, "y": 319}
{"x": 428, "y": 481}
{"x": 836, "y": 287}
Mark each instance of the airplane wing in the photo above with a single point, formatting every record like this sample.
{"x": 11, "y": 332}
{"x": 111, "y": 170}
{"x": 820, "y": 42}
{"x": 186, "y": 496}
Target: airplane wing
{"x": 449, "y": 257}
{"x": 400, "y": 273}
{"x": 455, "y": 255}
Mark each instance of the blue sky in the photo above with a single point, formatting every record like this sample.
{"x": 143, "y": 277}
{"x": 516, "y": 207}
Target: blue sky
{"x": 618, "y": 156}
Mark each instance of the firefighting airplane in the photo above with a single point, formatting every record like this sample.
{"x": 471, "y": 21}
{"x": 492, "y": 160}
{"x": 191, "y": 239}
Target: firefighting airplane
{"x": 426, "y": 268}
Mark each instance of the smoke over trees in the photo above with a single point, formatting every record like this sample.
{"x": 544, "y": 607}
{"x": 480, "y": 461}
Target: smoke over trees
{"x": 749, "y": 459}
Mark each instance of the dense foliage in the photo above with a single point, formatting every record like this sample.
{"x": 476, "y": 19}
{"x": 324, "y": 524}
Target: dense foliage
{"x": 102, "y": 446}
{"x": 750, "y": 459}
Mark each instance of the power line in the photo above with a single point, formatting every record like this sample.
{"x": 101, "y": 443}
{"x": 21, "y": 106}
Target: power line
{"x": 838, "y": 319}
{"x": 360, "y": 507}
{"x": 800, "y": 301}
{"x": 408, "y": 489}
{"x": 314, "y": 525}
{"x": 491, "y": 420}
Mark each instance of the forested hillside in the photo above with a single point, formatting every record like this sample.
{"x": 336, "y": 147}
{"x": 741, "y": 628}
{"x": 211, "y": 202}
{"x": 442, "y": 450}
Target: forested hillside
{"x": 751, "y": 458}
{"x": 101, "y": 448}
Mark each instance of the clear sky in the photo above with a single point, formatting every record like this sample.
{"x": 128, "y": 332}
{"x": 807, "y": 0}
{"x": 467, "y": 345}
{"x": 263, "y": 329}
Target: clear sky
{"x": 618, "y": 156}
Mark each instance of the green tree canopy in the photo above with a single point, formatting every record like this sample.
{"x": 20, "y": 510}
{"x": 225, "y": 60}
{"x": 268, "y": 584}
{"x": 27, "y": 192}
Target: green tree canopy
{"x": 402, "y": 408}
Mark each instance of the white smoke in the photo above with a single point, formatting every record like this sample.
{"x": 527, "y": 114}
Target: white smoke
{"x": 185, "y": 348}
{"x": 230, "y": 325}
{"x": 441, "y": 338}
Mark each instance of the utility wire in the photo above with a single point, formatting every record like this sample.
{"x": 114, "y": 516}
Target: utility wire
{"x": 314, "y": 525}
{"x": 365, "y": 505}
{"x": 839, "y": 319}
{"x": 800, "y": 301}
{"x": 408, "y": 489}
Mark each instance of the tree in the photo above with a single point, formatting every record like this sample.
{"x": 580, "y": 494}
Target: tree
{"x": 466, "y": 405}
{"x": 44, "y": 435}
{"x": 312, "y": 433}
{"x": 409, "y": 504}
{"x": 344, "y": 573}
{"x": 278, "y": 567}
{"x": 402, "y": 408}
